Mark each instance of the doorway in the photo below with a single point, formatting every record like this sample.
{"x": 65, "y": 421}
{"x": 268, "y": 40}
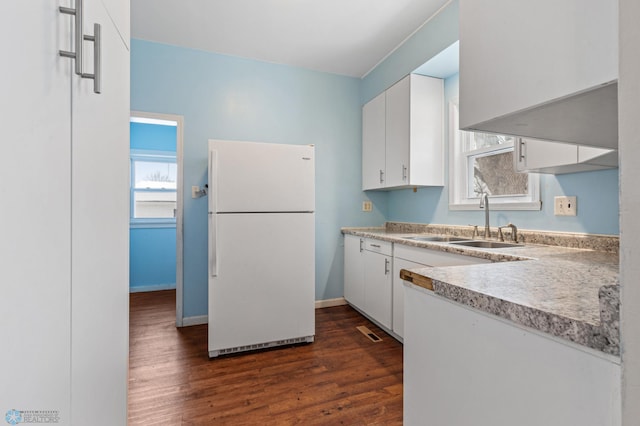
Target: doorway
{"x": 157, "y": 204}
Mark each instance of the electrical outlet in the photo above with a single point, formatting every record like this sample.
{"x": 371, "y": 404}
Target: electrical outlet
{"x": 367, "y": 206}
{"x": 194, "y": 191}
{"x": 565, "y": 206}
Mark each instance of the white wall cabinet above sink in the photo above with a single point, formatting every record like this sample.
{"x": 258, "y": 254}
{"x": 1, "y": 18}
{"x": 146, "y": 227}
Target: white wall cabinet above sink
{"x": 543, "y": 69}
{"x": 540, "y": 156}
{"x": 402, "y": 135}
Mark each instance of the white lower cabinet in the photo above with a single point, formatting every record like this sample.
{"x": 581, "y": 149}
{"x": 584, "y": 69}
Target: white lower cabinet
{"x": 464, "y": 367}
{"x": 407, "y": 257}
{"x": 377, "y": 278}
{"x": 368, "y": 267}
{"x": 354, "y": 270}
{"x": 372, "y": 283}
{"x": 398, "y": 293}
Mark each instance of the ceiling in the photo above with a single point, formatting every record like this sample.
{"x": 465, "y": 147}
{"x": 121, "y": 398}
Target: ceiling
{"x": 348, "y": 37}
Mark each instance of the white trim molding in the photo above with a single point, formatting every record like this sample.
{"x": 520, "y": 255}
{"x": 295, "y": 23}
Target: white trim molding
{"x": 155, "y": 287}
{"x": 196, "y": 320}
{"x": 328, "y": 303}
{"x": 178, "y": 120}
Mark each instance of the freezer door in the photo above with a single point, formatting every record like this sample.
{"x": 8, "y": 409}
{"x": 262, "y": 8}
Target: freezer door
{"x": 261, "y": 177}
{"x": 264, "y": 290}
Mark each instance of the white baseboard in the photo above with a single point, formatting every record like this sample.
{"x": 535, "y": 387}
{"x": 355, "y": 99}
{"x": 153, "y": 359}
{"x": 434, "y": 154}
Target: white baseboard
{"x": 327, "y": 303}
{"x": 155, "y": 287}
{"x": 197, "y": 320}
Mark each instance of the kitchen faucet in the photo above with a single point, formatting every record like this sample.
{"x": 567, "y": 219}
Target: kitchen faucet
{"x": 514, "y": 232}
{"x": 484, "y": 204}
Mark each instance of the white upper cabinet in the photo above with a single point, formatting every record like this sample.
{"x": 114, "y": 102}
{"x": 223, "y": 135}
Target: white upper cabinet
{"x": 540, "y": 156}
{"x": 402, "y": 136}
{"x": 373, "y": 149}
{"x": 543, "y": 69}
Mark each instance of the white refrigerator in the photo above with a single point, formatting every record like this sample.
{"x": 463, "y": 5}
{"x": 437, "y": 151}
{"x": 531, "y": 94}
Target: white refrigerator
{"x": 261, "y": 245}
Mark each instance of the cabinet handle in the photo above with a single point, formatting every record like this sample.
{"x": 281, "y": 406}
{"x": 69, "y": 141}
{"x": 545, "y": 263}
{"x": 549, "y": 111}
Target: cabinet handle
{"x": 381, "y": 176}
{"x": 404, "y": 172}
{"x": 97, "y": 52}
{"x": 386, "y": 266}
{"x": 78, "y": 36}
{"x": 375, "y": 245}
{"x": 521, "y": 144}
{"x": 361, "y": 241}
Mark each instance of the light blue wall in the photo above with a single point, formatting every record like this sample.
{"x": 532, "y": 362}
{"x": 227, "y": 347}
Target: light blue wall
{"x": 152, "y": 251}
{"x": 153, "y": 137}
{"x": 597, "y": 194}
{"x": 233, "y": 98}
{"x": 436, "y": 35}
{"x": 152, "y": 264}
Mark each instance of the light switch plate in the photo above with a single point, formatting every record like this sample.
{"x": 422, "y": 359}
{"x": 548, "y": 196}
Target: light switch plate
{"x": 565, "y": 206}
{"x": 367, "y": 206}
{"x": 194, "y": 191}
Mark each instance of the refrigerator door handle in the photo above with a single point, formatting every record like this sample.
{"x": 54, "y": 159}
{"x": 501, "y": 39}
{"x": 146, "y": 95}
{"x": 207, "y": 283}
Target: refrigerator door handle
{"x": 213, "y": 255}
{"x": 213, "y": 231}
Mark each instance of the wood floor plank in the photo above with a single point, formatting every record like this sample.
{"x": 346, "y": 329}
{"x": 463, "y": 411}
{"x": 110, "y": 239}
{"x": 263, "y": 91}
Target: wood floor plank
{"x": 341, "y": 378}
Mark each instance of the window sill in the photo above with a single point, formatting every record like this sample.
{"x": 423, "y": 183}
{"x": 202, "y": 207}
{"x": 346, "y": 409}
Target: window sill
{"x": 533, "y": 205}
{"x": 152, "y": 223}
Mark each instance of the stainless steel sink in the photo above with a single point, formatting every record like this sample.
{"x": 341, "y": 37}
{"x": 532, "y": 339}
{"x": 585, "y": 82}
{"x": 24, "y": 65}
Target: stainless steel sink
{"x": 486, "y": 244}
{"x": 437, "y": 239}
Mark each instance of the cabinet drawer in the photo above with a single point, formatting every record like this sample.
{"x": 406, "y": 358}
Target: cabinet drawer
{"x": 378, "y": 246}
{"x": 430, "y": 257}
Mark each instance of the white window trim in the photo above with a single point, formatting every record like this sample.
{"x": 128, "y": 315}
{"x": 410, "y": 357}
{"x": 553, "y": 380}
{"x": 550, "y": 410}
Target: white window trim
{"x": 149, "y": 222}
{"x": 458, "y": 179}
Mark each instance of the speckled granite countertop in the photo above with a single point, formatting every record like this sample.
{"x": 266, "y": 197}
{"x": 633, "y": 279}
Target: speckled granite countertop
{"x": 567, "y": 292}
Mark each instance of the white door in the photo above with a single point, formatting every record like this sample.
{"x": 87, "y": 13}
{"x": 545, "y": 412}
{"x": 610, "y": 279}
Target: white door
{"x": 100, "y": 229}
{"x": 398, "y": 293}
{"x": 534, "y": 154}
{"x": 35, "y": 247}
{"x": 373, "y": 142}
{"x": 354, "y": 270}
{"x": 377, "y": 282}
{"x": 261, "y": 177}
{"x": 264, "y": 288}
{"x": 397, "y": 133}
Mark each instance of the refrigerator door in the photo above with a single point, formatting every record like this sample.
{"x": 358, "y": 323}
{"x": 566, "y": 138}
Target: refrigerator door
{"x": 261, "y": 177}
{"x": 264, "y": 291}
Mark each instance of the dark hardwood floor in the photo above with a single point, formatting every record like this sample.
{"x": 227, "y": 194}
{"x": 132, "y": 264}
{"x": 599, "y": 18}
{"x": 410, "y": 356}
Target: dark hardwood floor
{"x": 343, "y": 378}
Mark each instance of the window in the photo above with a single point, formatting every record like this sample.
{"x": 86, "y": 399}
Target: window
{"x": 153, "y": 187}
{"x": 483, "y": 162}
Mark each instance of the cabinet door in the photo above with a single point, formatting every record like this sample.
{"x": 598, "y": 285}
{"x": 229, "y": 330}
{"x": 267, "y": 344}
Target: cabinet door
{"x": 426, "y": 139}
{"x": 373, "y": 143}
{"x": 459, "y": 361}
{"x": 377, "y": 292}
{"x": 547, "y": 42}
{"x": 35, "y": 248}
{"x": 100, "y": 219}
{"x": 354, "y": 270}
{"x": 397, "y": 133}
{"x": 398, "y": 293}
{"x": 531, "y": 154}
